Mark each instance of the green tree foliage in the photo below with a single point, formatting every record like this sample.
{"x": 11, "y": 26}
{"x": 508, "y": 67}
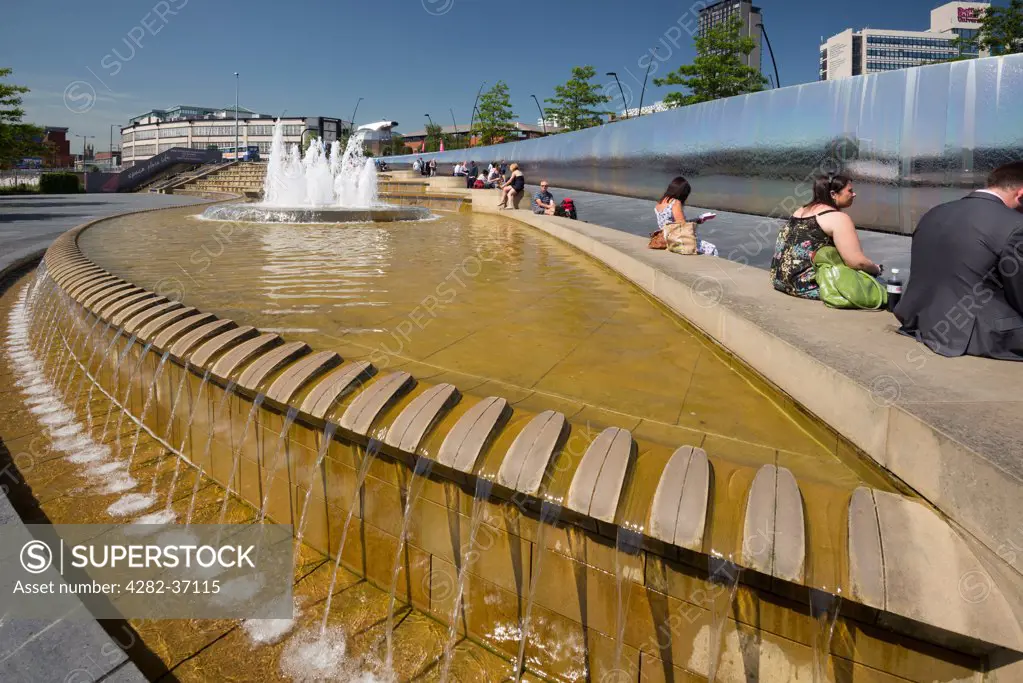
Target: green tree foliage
{"x": 17, "y": 139}
{"x": 434, "y": 136}
{"x": 1001, "y": 29}
{"x": 495, "y": 117}
{"x": 717, "y": 71}
{"x": 573, "y": 104}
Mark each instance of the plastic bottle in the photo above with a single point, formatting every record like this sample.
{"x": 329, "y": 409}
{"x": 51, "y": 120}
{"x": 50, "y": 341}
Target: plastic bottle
{"x": 894, "y": 289}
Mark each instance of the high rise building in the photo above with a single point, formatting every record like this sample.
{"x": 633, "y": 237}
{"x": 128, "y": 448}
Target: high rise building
{"x": 953, "y": 33}
{"x": 723, "y": 11}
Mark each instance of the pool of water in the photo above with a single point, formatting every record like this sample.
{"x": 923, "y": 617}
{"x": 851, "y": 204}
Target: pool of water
{"x": 485, "y": 303}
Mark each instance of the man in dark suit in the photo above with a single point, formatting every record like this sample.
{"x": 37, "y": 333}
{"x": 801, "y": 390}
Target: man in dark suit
{"x": 965, "y": 294}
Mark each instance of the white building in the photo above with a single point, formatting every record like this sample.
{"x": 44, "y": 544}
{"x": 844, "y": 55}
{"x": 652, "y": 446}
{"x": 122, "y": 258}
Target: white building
{"x": 647, "y": 109}
{"x": 203, "y": 127}
{"x": 854, "y": 53}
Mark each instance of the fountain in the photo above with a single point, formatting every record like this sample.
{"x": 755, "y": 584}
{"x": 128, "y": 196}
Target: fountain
{"x": 325, "y": 185}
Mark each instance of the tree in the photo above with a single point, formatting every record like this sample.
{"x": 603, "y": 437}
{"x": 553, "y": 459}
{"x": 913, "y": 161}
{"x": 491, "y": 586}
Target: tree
{"x": 17, "y": 139}
{"x": 717, "y": 71}
{"x": 574, "y": 102}
{"x": 1001, "y": 29}
{"x": 308, "y": 140}
{"x": 434, "y": 136}
{"x": 495, "y": 114}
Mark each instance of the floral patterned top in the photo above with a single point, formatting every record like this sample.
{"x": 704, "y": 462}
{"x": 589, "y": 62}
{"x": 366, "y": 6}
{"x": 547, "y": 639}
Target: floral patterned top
{"x": 792, "y": 270}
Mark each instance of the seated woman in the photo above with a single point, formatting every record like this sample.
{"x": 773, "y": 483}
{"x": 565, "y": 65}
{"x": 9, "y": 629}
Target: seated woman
{"x": 670, "y": 210}
{"x": 821, "y": 223}
{"x": 511, "y": 191}
{"x": 493, "y": 176}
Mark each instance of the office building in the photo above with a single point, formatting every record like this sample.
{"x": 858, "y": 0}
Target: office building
{"x": 158, "y": 130}
{"x": 952, "y": 34}
{"x": 725, "y": 11}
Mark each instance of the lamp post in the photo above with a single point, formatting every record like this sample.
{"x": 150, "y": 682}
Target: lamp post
{"x": 643, "y": 91}
{"x": 84, "y": 138}
{"x": 622, "y": 91}
{"x": 236, "y": 116}
{"x": 777, "y": 79}
{"x": 475, "y": 111}
{"x": 353, "y": 115}
{"x": 427, "y": 135}
{"x": 543, "y": 117}
{"x": 454, "y": 131}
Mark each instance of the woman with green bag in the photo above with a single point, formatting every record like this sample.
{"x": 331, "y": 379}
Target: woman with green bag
{"x": 814, "y": 227}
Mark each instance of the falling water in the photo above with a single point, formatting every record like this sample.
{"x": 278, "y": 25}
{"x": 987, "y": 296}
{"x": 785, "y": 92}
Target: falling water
{"x": 92, "y": 385}
{"x": 236, "y": 458}
{"x": 319, "y": 179}
{"x": 325, "y": 440}
{"x": 824, "y": 608}
{"x": 627, "y": 543}
{"x": 195, "y": 408}
{"x": 289, "y": 420}
{"x": 195, "y": 492}
{"x": 145, "y": 411}
{"x": 549, "y": 513}
{"x": 371, "y": 451}
{"x": 88, "y": 365}
{"x": 419, "y": 475}
{"x": 479, "y": 505}
{"x": 127, "y": 394}
{"x": 724, "y": 577}
{"x": 174, "y": 403}
{"x": 117, "y": 384}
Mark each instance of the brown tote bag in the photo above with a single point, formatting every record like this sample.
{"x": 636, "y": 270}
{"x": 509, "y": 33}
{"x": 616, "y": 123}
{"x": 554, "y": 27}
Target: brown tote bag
{"x": 681, "y": 238}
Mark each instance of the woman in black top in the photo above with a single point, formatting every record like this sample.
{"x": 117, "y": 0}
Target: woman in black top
{"x": 511, "y": 191}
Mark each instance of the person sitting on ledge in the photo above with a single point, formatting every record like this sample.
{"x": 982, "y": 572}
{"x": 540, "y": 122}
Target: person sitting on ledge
{"x": 493, "y": 178}
{"x": 543, "y": 201}
{"x": 471, "y": 174}
{"x": 511, "y": 191}
{"x": 459, "y": 169}
{"x": 965, "y": 295}
{"x": 821, "y": 223}
{"x": 670, "y": 212}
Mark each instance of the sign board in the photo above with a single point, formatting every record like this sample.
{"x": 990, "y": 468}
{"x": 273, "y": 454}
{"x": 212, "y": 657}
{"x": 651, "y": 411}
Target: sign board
{"x": 970, "y": 15}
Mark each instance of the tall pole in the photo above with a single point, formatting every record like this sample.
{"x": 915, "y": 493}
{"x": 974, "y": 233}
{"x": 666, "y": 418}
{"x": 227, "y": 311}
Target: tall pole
{"x": 543, "y": 117}
{"x": 622, "y": 91}
{"x": 353, "y": 116}
{"x": 777, "y": 79}
{"x": 236, "y": 116}
{"x": 454, "y": 131}
{"x": 427, "y": 136}
{"x": 472, "y": 120}
{"x": 643, "y": 91}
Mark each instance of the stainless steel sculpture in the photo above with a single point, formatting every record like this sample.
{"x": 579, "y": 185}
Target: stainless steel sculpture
{"x": 911, "y": 139}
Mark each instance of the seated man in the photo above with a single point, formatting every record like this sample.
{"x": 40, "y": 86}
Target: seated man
{"x": 471, "y": 174}
{"x": 543, "y": 201}
{"x": 965, "y": 294}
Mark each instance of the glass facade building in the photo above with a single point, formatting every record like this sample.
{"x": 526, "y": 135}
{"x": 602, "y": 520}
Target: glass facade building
{"x": 727, "y": 10}
{"x": 953, "y": 34}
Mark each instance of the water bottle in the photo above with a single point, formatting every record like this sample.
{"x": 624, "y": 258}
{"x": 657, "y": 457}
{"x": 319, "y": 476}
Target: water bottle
{"x": 894, "y": 290}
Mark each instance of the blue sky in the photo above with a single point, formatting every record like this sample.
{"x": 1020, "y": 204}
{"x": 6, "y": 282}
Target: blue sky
{"x": 405, "y": 57}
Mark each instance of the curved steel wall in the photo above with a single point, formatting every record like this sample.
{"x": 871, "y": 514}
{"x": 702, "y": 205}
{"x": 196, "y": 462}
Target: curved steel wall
{"x": 911, "y": 138}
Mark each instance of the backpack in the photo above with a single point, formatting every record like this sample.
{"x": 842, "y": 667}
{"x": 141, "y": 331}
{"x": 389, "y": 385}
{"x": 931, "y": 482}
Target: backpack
{"x": 566, "y": 209}
{"x": 477, "y": 184}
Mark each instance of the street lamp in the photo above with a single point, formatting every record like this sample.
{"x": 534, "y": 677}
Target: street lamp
{"x": 475, "y": 111}
{"x": 454, "y": 131}
{"x": 427, "y": 136}
{"x": 643, "y": 91}
{"x": 353, "y": 115}
{"x": 111, "y": 131}
{"x": 543, "y": 118}
{"x": 777, "y": 79}
{"x": 84, "y": 138}
{"x": 236, "y": 116}
{"x": 622, "y": 91}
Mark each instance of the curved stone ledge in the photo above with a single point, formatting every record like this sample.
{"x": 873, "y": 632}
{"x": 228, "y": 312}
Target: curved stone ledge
{"x": 678, "y": 513}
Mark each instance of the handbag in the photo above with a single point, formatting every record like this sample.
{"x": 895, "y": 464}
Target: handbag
{"x": 681, "y": 238}
{"x": 842, "y": 287}
{"x": 657, "y": 240}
